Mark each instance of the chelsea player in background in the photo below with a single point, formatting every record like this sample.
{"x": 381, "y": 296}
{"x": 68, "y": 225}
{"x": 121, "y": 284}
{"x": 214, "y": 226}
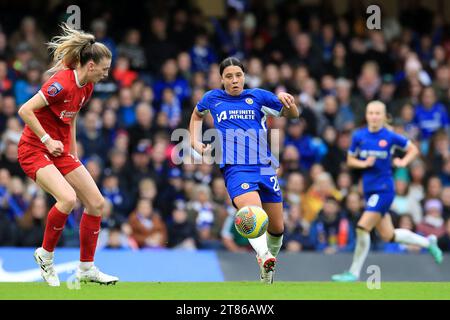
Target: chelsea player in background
{"x": 247, "y": 165}
{"x": 370, "y": 151}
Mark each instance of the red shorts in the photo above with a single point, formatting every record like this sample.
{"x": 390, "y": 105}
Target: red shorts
{"x": 31, "y": 159}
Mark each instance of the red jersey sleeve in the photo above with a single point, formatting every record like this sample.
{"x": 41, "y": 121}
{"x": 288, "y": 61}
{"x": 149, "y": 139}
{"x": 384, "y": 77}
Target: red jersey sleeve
{"x": 55, "y": 89}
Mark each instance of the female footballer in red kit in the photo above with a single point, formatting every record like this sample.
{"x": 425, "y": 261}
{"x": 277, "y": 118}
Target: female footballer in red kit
{"x": 47, "y": 149}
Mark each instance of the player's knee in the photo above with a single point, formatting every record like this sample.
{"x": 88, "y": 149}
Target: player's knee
{"x": 98, "y": 205}
{"x": 387, "y": 236}
{"x": 68, "y": 200}
{"x": 276, "y": 230}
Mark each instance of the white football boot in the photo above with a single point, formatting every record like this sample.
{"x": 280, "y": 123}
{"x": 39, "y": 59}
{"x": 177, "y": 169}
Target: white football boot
{"x": 48, "y": 271}
{"x": 266, "y": 266}
{"x": 95, "y": 275}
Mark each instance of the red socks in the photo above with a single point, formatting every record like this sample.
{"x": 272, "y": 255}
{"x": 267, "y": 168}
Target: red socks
{"x": 56, "y": 221}
{"x": 89, "y": 230}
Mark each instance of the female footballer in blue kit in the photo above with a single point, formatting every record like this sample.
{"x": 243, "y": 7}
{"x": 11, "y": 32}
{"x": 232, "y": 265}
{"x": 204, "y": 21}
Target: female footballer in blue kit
{"x": 249, "y": 173}
{"x": 370, "y": 151}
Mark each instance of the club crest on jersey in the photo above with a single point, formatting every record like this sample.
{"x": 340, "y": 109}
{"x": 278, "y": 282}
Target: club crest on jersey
{"x": 54, "y": 89}
{"x": 382, "y": 143}
{"x": 249, "y": 101}
{"x": 245, "y": 186}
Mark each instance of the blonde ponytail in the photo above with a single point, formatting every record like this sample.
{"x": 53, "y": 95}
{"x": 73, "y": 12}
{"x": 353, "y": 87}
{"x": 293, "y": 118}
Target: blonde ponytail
{"x": 75, "y": 47}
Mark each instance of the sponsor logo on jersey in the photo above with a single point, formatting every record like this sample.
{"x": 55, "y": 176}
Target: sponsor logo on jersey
{"x": 245, "y": 186}
{"x": 382, "y": 143}
{"x": 67, "y": 114}
{"x": 222, "y": 116}
{"x": 54, "y": 89}
{"x": 241, "y": 114}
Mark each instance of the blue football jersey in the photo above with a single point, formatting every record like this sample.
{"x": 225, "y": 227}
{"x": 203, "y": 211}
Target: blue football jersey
{"x": 430, "y": 120}
{"x": 241, "y": 124}
{"x": 380, "y": 145}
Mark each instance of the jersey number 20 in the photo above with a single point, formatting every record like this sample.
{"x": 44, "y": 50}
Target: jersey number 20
{"x": 276, "y": 186}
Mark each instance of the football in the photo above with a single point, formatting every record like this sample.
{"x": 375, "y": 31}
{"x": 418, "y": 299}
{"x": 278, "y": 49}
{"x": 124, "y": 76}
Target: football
{"x": 251, "y": 221}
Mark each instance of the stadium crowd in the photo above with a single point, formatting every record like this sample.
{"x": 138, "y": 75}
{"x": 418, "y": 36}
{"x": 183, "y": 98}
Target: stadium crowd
{"x": 332, "y": 65}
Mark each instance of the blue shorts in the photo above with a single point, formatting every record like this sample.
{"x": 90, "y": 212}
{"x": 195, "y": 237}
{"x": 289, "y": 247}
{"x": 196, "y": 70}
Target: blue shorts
{"x": 379, "y": 201}
{"x": 243, "y": 179}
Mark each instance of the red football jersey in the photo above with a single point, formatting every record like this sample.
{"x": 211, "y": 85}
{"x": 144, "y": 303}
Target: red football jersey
{"x": 64, "y": 97}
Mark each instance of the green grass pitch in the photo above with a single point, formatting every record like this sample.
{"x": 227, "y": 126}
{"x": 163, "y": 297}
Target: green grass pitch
{"x": 229, "y": 291}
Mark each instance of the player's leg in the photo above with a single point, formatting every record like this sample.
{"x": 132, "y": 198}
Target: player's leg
{"x": 265, "y": 259}
{"x": 51, "y": 180}
{"x": 272, "y": 202}
{"x": 365, "y": 225}
{"x": 377, "y": 204}
{"x": 276, "y": 226}
{"x": 93, "y": 201}
{"x": 252, "y": 199}
{"x": 387, "y": 232}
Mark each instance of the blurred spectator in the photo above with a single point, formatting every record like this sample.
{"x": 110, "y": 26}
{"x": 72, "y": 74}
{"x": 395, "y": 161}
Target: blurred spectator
{"x": 127, "y": 115}
{"x": 91, "y": 138}
{"x": 115, "y": 231}
{"x": 295, "y": 190}
{"x": 158, "y": 46}
{"x": 353, "y": 207}
{"x": 24, "y": 89}
{"x": 181, "y": 232}
{"x": 6, "y": 84}
{"x": 169, "y": 198}
{"x": 16, "y": 200}
{"x": 132, "y": 49}
{"x": 416, "y": 185}
{"x": 438, "y": 152}
{"x": 142, "y": 131}
{"x": 118, "y": 197}
{"x": 322, "y": 188}
{"x": 99, "y": 28}
{"x": 307, "y": 146}
{"x": 445, "y": 198}
{"x": 430, "y": 115}
{"x": 201, "y": 210}
{"x": 171, "y": 107}
{"x": 432, "y": 223}
{"x": 33, "y": 37}
{"x": 296, "y": 231}
{"x": 171, "y": 79}
{"x": 122, "y": 73}
{"x": 405, "y": 204}
{"x": 332, "y": 232}
{"x": 32, "y": 223}
{"x": 202, "y": 54}
{"x": 444, "y": 240}
{"x": 148, "y": 229}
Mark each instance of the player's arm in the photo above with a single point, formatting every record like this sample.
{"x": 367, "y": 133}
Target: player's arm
{"x": 290, "y": 110}
{"x": 411, "y": 153}
{"x": 73, "y": 133}
{"x": 26, "y": 112}
{"x": 195, "y": 131}
{"x": 354, "y": 162}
